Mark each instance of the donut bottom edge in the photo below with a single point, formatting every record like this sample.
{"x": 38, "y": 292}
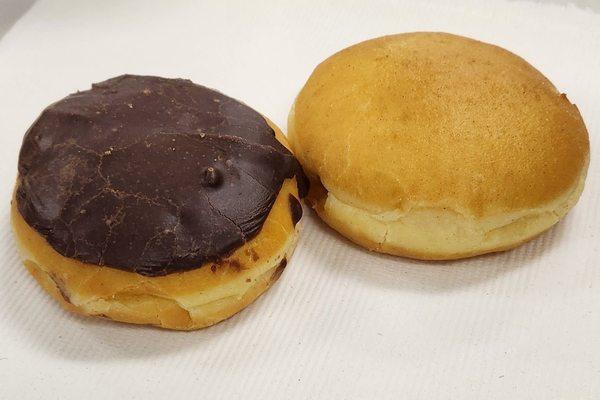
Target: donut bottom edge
{"x": 432, "y": 233}
{"x": 188, "y": 300}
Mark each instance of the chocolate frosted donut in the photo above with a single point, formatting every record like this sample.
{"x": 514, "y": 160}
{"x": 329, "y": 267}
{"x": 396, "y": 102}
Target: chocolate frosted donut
{"x": 153, "y": 176}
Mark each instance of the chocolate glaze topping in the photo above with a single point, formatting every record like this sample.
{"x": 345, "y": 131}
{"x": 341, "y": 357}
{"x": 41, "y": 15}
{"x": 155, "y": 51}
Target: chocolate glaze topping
{"x": 150, "y": 175}
{"x": 295, "y": 209}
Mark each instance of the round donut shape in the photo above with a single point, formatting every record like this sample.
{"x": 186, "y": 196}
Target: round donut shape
{"x": 156, "y": 201}
{"x": 436, "y": 146}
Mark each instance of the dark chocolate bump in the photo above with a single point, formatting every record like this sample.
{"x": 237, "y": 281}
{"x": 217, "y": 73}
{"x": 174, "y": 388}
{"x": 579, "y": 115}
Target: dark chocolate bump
{"x": 248, "y": 280}
{"x": 213, "y": 268}
{"x": 296, "y": 209}
{"x": 150, "y": 175}
{"x": 212, "y": 177}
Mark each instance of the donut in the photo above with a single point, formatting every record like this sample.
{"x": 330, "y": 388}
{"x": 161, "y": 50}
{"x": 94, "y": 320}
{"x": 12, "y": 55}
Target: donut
{"x": 155, "y": 201}
{"x": 435, "y": 146}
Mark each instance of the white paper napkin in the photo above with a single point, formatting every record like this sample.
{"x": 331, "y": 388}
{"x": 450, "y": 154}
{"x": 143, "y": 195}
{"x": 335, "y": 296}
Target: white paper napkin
{"x": 341, "y": 323}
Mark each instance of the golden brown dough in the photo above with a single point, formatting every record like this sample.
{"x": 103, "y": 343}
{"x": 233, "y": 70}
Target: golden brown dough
{"x": 436, "y": 146}
{"x": 184, "y": 301}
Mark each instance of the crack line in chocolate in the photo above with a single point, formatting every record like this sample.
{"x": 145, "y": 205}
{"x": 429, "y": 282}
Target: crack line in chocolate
{"x": 150, "y": 175}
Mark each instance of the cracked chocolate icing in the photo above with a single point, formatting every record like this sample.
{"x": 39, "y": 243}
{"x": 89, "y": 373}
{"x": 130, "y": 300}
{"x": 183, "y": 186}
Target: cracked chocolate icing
{"x": 150, "y": 175}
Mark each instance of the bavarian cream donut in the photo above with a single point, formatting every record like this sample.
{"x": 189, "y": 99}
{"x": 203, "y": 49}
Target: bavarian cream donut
{"x": 155, "y": 201}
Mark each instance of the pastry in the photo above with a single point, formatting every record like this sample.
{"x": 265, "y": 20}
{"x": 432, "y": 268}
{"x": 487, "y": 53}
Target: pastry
{"x": 435, "y": 146}
{"x": 156, "y": 201}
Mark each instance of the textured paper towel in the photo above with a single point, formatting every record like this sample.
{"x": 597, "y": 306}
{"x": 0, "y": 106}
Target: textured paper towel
{"x": 341, "y": 322}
